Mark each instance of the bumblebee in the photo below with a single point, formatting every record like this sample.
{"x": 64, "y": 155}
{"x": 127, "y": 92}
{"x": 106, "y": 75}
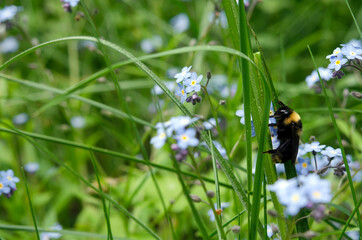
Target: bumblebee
{"x": 289, "y": 129}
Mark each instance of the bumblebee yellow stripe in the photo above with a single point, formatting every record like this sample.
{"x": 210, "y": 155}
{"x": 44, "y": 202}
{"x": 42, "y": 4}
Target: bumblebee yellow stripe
{"x": 294, "y": 117}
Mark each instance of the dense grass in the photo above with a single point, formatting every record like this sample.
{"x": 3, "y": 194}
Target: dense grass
{"x": 105, "y": 179}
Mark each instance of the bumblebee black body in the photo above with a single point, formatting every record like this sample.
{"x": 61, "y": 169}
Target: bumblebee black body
{"x": 289, "y": 129}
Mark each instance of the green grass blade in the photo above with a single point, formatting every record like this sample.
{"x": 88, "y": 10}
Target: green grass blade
{"x": 30, "y": 204}
{"x": 259, "y": 174}
{"x": 96, "y": 104}
{"x": 356, "y": 209}
{"x": 217, "y": 188}
{"x": 106, "y": 215}
{"x": 354, "y": 19}
{"x": 107, "y": 152}
{"x": 246, "y": 78}
{"x": 257, "y": 96}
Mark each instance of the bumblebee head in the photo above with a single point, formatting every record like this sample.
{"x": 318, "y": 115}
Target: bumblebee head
{"x": 283, "y": 112}
{"x": 286, "y": 115}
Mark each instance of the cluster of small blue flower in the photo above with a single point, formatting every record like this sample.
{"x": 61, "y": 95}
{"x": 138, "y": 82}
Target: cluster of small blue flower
{"x": 350, "y": 55}
{"x": 306, "y": 191}
{"x": 325, "y": 158}
{"x": 8, "y": 183}
{"x": 177, "y": 128}
{"x": 188, "y": 82}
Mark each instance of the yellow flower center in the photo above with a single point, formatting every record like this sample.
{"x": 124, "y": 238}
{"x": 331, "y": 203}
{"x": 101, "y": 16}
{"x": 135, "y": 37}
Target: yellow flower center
{"x": 1, "y": 185}
{"x": 304, "y": 165}
{"x": 184, "y": 138}
{"x": 352, "y": 53}
{"x": 295, "y": 198}
{"x": 336, "y": 52}
{"x": 338, "y": 62}
{"x": 317, "y": 194}
{"x": 193, "y": 83}
{"x": 162, "y": 135}
{"x": 182, "y": 92}
{"x": 334, "y": 152}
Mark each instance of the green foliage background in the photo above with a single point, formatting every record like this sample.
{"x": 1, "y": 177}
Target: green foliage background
{"x": 284, "y": 29}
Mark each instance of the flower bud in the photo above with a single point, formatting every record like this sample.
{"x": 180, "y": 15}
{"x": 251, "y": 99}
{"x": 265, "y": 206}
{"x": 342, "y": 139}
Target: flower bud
{"x": 357, "y": 95}
{"x": 195, "y": 198}
{"x": 208, "y": 75}
{"x": 210, "y": 194}
{"x": 235, "y": 229}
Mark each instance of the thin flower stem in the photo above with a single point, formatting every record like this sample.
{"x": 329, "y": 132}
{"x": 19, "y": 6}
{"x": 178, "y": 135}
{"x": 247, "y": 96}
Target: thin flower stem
{"x": 315, "y": 161}
{"x": 214, "y": 113}
{"x": 352, "y": 65}
{"x": 217, "y": 219}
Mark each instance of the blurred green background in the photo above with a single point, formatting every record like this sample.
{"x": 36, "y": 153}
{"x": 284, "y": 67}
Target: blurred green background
{"x": 284, "y": 29}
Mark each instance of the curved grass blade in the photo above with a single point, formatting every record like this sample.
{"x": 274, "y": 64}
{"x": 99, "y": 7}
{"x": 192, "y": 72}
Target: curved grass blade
{"x": 96, "y": 104}
{"x": 107, "y": 152}
{"x": 224, "y": 165}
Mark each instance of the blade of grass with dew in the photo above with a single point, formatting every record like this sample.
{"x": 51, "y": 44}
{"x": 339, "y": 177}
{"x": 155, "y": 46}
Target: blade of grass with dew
{"x": 30, "y": 204}
{"x": 338, "y": 135}
{"x": 106, "y": 215}
{"x": 40, "y": 86}
{"x": 82, "y": 179}
{"x": 217, "y": 188}
{"x": 265, "y": 68}
{"x": 237, "y": 25}
{"x": 269, "y": 168}
{"x": 246, "y": 78}
{"x": 106, "y": 152}
{"x": 96, "y": 75}
{"x": 259, "y": 173}
{"x": 224, "y": 165}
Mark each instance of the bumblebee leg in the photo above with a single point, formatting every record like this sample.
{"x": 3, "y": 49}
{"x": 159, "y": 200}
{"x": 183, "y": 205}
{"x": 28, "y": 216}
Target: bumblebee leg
{"x": 272, "y": 124}
{"x": 273, "y": 151}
